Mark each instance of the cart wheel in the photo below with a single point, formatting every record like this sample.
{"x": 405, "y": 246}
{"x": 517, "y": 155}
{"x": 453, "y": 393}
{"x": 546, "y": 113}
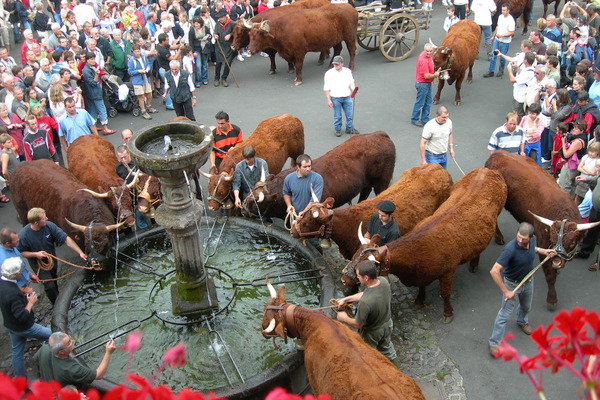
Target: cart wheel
{"x": 369, "y": 42}
{"x": 399, "y": 37}
{"x": 136, "y": 112}
{"x": 112, "y": 112}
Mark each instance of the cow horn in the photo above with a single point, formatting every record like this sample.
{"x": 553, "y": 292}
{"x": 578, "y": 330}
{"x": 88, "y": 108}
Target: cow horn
{"x": 136, "y": 178}
{"x": 247, "y": 23}
{"x": 360, "y": 235}
{"x": 264, "y": 26}
{"x": 204, "y": 174}
{"x": 110, "y": 228}
{"x": 372, "y": 258}
{"x": 96, "y": 194}
{"x": 583, "y": 227}
{"x": 262, "y": 173}
{"x": 271, "y": 289}
{"x": 271, "y": 326}
{"x": 76, "y": 226}
{"x": 313, "y": 194}
{"x": 261, "y": 197}
{"x": 227, "y": 177}
{"x": 430, "y": 42}
{"x": 543, "y": 220}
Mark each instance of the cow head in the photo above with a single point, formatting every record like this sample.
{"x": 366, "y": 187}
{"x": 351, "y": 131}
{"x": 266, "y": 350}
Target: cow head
{"x": 250, "y": 206}
{"x": 219, "y": 189}
{"x": 443, "y": 58}
{"x": 368, "y": 250}
{"x": 149, "y": 197}
{"x": 260, "y": 37}
{"x": 96, "y": 237}
{"x": 315, "y": 221}
{"x": 564, "y": 237}
{"x": 277, "y": 319}
{"x": 241, "y": 33}
{"x": 119, "y": 200}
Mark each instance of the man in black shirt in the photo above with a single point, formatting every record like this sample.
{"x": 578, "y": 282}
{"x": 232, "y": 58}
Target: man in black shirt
{"x": 383, "y": 223}
{"x": 164, "y": 57}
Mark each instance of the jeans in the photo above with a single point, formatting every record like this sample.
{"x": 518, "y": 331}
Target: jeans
{"x": 422, "y": 103}
{"x": 487, "y": 34}
{"x": 503, "y": 47}
{"x": 141, "y": 221}
{"x": 441, "y": 159}
{"x": 18, "y": 340}
{"x": 525, "y": 295}
{"x": 340, "y": 103}
{"x": 97, "y": 110}
{"x": 168, "y": 101}
{"x": 547, "y": 143}
{"x": 198, "y": 69}
{"x": 585, "y": 207}
{"x": 537, "y": 147}
{"x": 204, "y": 69}
{"x": 57, "y": 18}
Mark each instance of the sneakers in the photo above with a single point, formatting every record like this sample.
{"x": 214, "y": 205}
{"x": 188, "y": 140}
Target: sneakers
{"x": 151, "y": 110}
{"x": 145, "y": 115}
{"x": 499, "y": 74}
{"x": 494, "y": 350}
{"x": 594, "y": 267}
{"x": 526, "y": 329}
{"x": 224, "y": 83}
{"x": 217, "y": 82}
{"x": 418, "y": 123}
{"x": 240, "y": 58}
{"x": 338, "y": 133}
{"x": 488, "y": 74}
{"x": 246, "y": 54}
{"x": 352, "y": 131}
{"x": 263, "y": 54}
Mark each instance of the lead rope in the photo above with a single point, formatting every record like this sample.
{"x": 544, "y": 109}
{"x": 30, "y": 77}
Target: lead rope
{"x": 290, "y": 220}
{"x": 49, "y": 265}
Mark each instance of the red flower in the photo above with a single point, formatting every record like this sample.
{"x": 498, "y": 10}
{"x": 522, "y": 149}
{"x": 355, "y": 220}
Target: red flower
{"x": 133, "y": 342}
{"x": 176, "y": 356}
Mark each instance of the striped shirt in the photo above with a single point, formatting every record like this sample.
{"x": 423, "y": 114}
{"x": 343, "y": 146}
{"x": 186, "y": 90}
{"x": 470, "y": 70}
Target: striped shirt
{"x": 502, "y": 140}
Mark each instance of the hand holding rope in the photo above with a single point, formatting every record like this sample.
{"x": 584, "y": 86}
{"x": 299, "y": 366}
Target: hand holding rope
{"x": 47, "y": 264}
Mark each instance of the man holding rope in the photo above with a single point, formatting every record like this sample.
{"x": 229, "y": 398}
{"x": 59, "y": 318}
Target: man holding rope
{"x": 36, "y": 242}
{"x": 224, "y": 37}
{"x": 511, "y": 268}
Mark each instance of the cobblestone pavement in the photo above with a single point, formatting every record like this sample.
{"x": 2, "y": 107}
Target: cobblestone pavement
{"x": 416, "y": 341}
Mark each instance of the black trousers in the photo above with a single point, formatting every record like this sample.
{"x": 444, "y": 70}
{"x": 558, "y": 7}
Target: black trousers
{"x": 589, "y": 242}
{"x": 184, "y": 109}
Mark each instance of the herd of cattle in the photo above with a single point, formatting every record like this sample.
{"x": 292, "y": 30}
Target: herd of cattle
{"x": 443, "y": 224}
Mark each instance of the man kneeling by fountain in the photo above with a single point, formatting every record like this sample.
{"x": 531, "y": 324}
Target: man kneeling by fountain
{"x": 55, "y": 362}
{"x": 373, "y": 316}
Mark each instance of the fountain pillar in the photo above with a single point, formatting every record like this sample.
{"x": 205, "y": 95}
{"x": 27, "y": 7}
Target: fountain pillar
{"x": 170, "y": 160}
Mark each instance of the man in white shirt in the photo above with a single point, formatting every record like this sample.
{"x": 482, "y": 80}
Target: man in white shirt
{"x": 525, "y": 74}
{"x": 339, "y": 85}
{"x": 84, "y": 13}
{"x": 483, "y": 10}
{"x": 505, "y": 30}
{"x": 436, "y": 138}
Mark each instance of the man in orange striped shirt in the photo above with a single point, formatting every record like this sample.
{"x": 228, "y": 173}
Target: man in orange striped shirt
{"x": 226, "y": 135}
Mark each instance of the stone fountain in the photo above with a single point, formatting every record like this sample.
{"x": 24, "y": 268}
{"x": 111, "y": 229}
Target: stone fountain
{"x": 172, "y": 153}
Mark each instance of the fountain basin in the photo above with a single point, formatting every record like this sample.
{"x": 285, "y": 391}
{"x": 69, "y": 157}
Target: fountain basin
{"x": 268, "y": 366}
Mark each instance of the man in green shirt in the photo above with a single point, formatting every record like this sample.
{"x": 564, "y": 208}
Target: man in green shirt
{"x": 55, "y": 362}
{"x": 374, "y": 315}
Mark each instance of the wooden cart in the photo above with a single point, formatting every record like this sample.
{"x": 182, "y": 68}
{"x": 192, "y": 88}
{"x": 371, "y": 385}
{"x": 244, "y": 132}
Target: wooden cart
{"x": 394, "y": 32}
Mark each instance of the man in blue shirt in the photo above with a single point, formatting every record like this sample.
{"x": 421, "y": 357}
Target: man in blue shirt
{"x": 74, "y": 123}
{"x": 510, "y": 269}
{"x": 8, "y": 249}
{"x": 299, "y": 185}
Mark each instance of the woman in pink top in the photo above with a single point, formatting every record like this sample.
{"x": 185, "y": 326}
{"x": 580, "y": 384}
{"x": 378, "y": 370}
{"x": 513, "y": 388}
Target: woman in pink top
{"x": 533, "y": 127}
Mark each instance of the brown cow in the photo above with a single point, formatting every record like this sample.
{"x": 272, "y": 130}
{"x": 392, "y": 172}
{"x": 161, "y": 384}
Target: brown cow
{"x": 546, "y": 3}
{"x": 149, "y": 197}
{"x": 338, "y": 362}
{"x": 457, "y": 53}
{"x": 418, "y": 193}
{"x": 532, "y": 190}
{"x": 294, "y": 34}
{"x": 361, "y": 163}
{"x": 241, "y": 29}
{"x": 43, "y": 184}
{"x": 517, "y": 8}
{"x": 275, "y": 140}
{"x": 92, "y": 161}
{"x": 456, "y": 233}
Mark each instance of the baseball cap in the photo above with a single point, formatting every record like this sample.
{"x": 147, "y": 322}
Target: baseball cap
{"x": 337, "y": 60}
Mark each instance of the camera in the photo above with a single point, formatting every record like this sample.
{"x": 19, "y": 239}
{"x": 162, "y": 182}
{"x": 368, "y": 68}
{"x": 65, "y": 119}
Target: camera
{"x": 568, "y": 136}
{"x": 542, "y": 89}
{"x": 496, "y": 52}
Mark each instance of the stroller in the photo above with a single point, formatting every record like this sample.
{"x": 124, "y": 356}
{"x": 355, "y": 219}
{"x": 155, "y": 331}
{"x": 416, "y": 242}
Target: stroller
{"x": 119, "y": 96}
